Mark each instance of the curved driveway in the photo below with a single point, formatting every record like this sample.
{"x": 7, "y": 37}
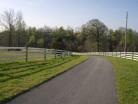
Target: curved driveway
{"x": 91, "y": 82}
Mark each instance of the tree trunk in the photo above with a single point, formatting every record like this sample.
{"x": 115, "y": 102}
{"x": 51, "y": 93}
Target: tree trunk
{"x": 10, "y": 39}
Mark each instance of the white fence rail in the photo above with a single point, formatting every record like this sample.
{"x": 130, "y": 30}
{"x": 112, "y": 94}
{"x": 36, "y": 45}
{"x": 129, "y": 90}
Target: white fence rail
{"x": 13, "y": 54}
{"x": 126, "y": 55}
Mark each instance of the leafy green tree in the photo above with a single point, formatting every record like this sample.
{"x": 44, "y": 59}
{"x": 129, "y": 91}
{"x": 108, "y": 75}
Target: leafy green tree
{"x": 96, "y": 31}
{"x": 20, "y": 29}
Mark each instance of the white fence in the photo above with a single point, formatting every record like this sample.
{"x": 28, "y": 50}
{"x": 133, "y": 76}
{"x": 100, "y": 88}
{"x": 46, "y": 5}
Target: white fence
{"x": 13, "y": 54}
{"x": 126, "y": 55}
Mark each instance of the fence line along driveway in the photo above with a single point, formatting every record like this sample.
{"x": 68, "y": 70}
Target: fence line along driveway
{"x": 127, "y": 55}
{"x": 13, "y": 54}
{"x": 91, "y": 82}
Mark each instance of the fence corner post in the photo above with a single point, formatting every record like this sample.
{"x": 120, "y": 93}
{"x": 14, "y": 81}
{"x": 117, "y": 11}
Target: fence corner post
{"x": 26, "y": 54}
{"x": 45, "y": 53}
{"x": 55, "y": 53}
{"x": 133, "y": 55}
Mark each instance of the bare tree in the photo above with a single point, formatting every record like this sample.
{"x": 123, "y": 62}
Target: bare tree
{"x": 7, "y": 21}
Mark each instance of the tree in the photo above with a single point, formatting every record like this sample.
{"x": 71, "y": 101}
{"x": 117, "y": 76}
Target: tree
{"x": 31, "y": 39}
{"x": 59, "y": 38}
{"x": 8, "y": 21}
{"x": 20, "y": 28}
{"x": 92, "y": 36}
{"x": 95, "y": 29}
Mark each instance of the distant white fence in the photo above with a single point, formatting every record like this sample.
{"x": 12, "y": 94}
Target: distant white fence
{"x": 11, "y": 54}
{"x": 126, "y": 55}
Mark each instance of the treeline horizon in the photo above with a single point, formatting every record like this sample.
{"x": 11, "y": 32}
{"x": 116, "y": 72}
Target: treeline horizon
{"x": 94, "y": 36}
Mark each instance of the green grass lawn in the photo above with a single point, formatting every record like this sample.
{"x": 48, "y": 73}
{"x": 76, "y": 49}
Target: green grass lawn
{"x": 17, "y": 77}
{"x": 126, "y": 72}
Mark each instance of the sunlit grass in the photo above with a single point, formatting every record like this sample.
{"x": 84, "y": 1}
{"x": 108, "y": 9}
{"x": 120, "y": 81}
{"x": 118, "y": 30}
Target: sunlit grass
{"x": 20, "y": 76}
{"x": 126, "y": 72}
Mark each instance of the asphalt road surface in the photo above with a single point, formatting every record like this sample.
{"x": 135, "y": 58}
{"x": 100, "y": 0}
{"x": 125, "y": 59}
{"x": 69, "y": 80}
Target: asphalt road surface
{"x": 91, "y": 82}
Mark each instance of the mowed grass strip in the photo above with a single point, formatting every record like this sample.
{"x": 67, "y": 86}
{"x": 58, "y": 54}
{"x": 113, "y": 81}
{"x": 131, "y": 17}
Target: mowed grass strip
{"x": 20, "y": 76}
{"x": 126, "y": 72}
{"x": 16, "y": 72}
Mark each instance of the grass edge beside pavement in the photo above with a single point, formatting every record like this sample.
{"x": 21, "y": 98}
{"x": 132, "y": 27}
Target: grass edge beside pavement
{"x": 54, "y": 72}
{"x": 126, "y": 74}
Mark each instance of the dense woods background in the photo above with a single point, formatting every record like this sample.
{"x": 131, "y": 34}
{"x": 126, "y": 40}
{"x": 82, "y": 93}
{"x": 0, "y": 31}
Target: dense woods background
{"x": 92, "y": 36}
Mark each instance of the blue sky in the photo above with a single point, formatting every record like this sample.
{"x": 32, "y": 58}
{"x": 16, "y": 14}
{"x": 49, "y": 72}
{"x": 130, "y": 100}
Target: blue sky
{"x": 74, "y": 12}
